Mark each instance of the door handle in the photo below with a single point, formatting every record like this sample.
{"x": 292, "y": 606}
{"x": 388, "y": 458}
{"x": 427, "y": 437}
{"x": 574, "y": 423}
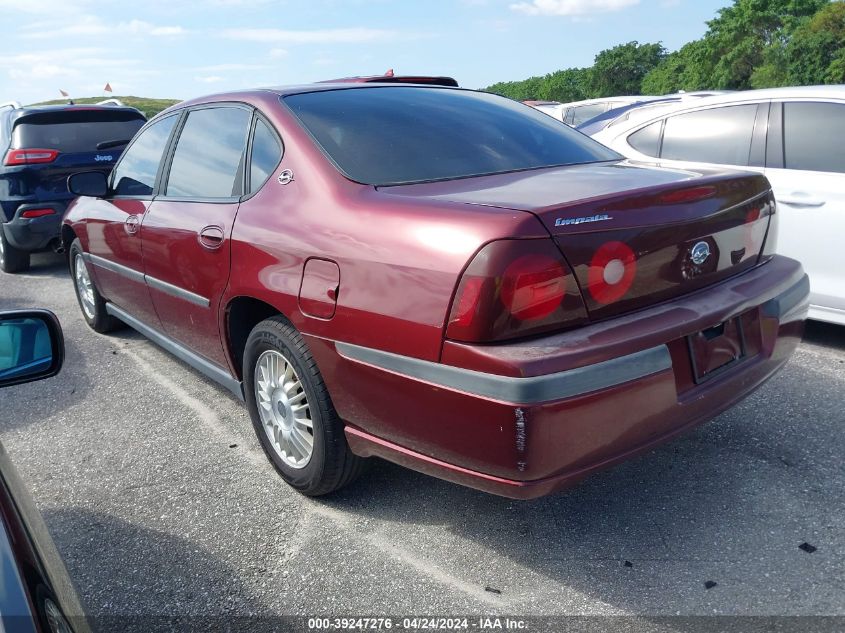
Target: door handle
{"x": 131, "y": 224}
{"x": 211, "y": 237}
{"x": 799, "y": 199}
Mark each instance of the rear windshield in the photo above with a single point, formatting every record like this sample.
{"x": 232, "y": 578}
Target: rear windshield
{"x": 398, "y": 135}
{"x": 79, "y": 131}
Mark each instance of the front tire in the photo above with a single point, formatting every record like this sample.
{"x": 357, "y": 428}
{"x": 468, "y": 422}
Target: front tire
{"x": 292, "y": 412}
{"x": 12, "y": 260}
{"x": 90, "y": 300}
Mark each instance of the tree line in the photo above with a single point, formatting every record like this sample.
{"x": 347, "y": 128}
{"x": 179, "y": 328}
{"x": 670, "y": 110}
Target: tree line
{"x": 750, "y": 44}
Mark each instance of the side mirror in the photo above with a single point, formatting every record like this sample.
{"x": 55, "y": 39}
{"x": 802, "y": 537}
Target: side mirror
{"x": 32, "y": 346}
{"x": 93, "y": 184}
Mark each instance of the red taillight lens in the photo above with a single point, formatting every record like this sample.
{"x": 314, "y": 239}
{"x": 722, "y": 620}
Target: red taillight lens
{"x": 611, "y": 273}
{"x": 514, "y": 288}
{"x": 533, "y": 286}
{"x": 37, "y": 213}
{"x": 30, "y": 156}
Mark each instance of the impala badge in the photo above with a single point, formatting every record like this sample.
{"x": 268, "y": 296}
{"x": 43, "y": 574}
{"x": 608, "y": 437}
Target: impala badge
{"x": 699, "y": 253}
{"x": 589, "y": 218}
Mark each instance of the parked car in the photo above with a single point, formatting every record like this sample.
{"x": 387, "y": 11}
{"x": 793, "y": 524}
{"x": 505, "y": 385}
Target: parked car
{"x": 576, "y": 112}
{"x": 792, "y": 135}
{"x": 37, "y": 594}
{"x": 41, "y": 146}
{"x": 611, "y": 117}
{"x": 444, "y": 278}
{"x": 552, "y": 108}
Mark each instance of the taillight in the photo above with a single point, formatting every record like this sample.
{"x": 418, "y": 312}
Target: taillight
{"x": 611, "y": 273}
{"x": 37, "y": 213}
{"x": 771, "y": 239}
{"x": 514, "y": 288}
{"x": 30, "y": 156}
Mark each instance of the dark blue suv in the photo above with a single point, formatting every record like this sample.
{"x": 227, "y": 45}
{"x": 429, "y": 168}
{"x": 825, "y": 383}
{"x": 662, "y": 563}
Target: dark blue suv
{"x": 40, "y": 146}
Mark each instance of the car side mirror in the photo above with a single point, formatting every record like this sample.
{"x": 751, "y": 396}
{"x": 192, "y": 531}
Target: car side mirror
{"x": 32, "y": 346}
{"x": 93, "y": 184}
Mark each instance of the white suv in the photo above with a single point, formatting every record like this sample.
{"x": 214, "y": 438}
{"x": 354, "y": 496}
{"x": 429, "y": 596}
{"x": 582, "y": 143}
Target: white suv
{"x": 795, "y": 136}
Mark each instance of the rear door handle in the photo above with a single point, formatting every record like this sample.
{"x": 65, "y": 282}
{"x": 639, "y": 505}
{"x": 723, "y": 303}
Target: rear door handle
{"x": 211, "y": 237}
{"x": 798, "y": 199}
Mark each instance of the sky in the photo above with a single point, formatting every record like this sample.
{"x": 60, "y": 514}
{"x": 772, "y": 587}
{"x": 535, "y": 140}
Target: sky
{"x": 181, "y": 49}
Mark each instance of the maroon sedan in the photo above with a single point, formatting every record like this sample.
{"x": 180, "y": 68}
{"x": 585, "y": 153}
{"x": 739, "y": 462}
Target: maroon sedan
{"x": 443, "y": 278}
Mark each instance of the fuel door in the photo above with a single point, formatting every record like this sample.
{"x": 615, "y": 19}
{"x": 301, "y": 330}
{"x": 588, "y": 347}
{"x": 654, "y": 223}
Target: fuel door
{"x": 319, "y": 289}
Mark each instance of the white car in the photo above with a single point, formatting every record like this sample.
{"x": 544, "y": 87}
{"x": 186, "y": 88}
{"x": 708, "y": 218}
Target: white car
{"x": 795, "y": 136}
{"x": 577, "y": 112}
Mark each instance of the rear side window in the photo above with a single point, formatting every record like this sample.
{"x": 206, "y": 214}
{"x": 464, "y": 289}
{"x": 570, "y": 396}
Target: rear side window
{"x": 72, "y": 131}
{"x": 717, "y": 135}
{"x": 812, "y": 136}
{"x": 395, "y": 135}
{"x": 647, "y": 140}
{"x": 135, "y": 174}
{"x": 266, "y": 154}
{"x": 209, "y": 157}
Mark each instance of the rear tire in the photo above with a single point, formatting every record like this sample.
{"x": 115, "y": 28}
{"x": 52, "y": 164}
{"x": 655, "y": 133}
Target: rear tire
{"x": 292, "y": 412}
{"x": 12, "y": 260}
{"x": 90, "y": 300}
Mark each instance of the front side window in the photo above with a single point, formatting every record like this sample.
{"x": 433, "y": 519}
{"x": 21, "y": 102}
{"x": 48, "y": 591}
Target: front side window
{"x": 266, "y": 154}
{"x": 812, "y": 136}
{"x": 135, "y": 174}
{"x": 404, "y": 134}
{"x": 718, "y": 135}
{"x": 209, "y": 156}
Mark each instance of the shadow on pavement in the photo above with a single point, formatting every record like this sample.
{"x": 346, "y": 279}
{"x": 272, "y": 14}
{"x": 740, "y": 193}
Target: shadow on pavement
{"x": 826, "y": 334}
{"x": 131, "y": 572}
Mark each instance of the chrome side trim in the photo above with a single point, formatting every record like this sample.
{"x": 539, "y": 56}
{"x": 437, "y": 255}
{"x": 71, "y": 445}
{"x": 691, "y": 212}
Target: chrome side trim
{"x": 120, "y": 269}
{"x": 212, "y": 371}
{"x": 158, "y": 284}
{"x": 176, "y": 291}
{"x": 532, "y": 390}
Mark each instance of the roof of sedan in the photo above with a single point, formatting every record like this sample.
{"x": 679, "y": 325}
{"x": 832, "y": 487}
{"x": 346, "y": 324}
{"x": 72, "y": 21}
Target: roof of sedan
{"x": 284, "y": 91}
{"x": 340, "y": 85}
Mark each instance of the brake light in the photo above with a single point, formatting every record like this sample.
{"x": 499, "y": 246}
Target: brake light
{"x": 30, "y": 156}
{"x": 514, "y": 288}
{"x": 533, "y": 286}
{"x": 37, "y": 213}
{"x": 691, "y": 194}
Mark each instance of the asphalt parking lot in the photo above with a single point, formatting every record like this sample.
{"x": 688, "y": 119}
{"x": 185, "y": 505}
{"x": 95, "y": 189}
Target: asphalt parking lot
{"x": 161, "y": 502}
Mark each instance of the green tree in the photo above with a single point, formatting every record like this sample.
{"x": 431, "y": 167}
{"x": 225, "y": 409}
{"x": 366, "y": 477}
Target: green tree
{"x": 816, "y": 52}
{"x": 566, "y": 85}
{"x": 620, "y": 70}
{"x": 750, "y": 36}
{"x": 685, "y": 69}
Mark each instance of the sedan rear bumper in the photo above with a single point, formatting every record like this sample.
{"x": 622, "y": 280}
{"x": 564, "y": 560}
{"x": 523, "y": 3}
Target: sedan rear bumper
{"x": 525, "y": 419}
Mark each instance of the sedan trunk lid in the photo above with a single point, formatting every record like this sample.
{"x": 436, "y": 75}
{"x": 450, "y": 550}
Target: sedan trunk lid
{"x": 634, "y": 235}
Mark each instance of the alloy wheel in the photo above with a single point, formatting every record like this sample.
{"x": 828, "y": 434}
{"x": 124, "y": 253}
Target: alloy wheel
{"x": 84, "y": 287}
{"x": 283, "y": 408}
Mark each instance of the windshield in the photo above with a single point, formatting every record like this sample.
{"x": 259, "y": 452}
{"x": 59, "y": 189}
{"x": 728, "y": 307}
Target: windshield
{"x": 77, "y": 131}
{"x": 398, "y": 135}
